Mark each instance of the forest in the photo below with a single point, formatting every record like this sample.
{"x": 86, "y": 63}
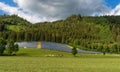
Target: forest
{"x": 98, "y": 33}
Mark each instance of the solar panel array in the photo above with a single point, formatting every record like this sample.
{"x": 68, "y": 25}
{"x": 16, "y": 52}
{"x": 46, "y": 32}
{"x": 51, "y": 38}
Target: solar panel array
{"x": 53, "y": 46}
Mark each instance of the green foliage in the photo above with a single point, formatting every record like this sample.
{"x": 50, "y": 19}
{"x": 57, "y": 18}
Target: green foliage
{"x": 13, "y": 23}
{"x": 74, "y": 51}
{"x": 16, "y": 48}
{"x": 105, "y": 49}
{"x": 2, "y": 46}
{"x": 12, "y": 47}
{"x": 9, "y": 45}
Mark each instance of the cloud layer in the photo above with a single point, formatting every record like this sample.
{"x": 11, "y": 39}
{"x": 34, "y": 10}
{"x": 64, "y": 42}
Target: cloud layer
{"x": 115, "y": 11}
{"x": 50, "y": 10}
{"x": 33, "y": 18}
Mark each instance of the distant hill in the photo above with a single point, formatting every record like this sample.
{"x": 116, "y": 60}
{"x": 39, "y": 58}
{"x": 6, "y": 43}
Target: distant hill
{"x": 13, "y": 23}
{"x": 100, "y": 33}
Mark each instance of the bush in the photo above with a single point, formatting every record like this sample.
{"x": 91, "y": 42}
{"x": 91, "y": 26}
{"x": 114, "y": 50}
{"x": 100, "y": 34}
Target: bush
{"x": 74, "y": 51}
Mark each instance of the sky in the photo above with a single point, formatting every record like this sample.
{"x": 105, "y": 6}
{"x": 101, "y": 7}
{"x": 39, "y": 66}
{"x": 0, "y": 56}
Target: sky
{"x": 51, "y": 10}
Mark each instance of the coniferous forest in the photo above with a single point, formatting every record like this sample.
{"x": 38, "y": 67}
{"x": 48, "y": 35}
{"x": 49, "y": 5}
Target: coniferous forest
{"x": 100, "y": 33}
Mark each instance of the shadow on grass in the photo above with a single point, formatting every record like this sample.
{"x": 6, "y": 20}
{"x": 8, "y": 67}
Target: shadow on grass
{"x": 8, "y": 55}
{"x": 21, "y": 54}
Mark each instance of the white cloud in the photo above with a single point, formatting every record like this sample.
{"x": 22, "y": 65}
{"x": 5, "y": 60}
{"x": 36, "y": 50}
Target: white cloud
{"x": 33, "y": 18}
{"x": 62, "y": 8}
{"x": 50, "y": 10}
{"x": 115, "y": 11}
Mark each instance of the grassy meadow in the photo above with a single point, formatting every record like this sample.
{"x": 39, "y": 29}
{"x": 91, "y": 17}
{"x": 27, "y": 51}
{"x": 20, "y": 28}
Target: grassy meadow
{"x": 35, "y": 60}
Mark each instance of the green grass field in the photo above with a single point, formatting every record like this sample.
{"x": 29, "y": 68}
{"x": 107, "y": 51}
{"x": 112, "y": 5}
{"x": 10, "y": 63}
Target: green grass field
{"x": 15, "y": 28}
{"x": 34, "y": 60}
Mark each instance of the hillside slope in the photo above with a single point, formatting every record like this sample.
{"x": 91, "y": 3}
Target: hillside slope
{"x": 89, "y": 33}
{"x": 13, "y": 23}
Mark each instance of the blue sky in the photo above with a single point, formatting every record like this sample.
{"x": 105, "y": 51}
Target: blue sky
{"x": 112, "y": 3}
{"x": 51, "y": 10}
{"x": 10, "y": 2}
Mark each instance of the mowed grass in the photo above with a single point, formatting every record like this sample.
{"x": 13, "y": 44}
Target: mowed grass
{"x": 34, "y": 60}
{"x": 16, "y": 28}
